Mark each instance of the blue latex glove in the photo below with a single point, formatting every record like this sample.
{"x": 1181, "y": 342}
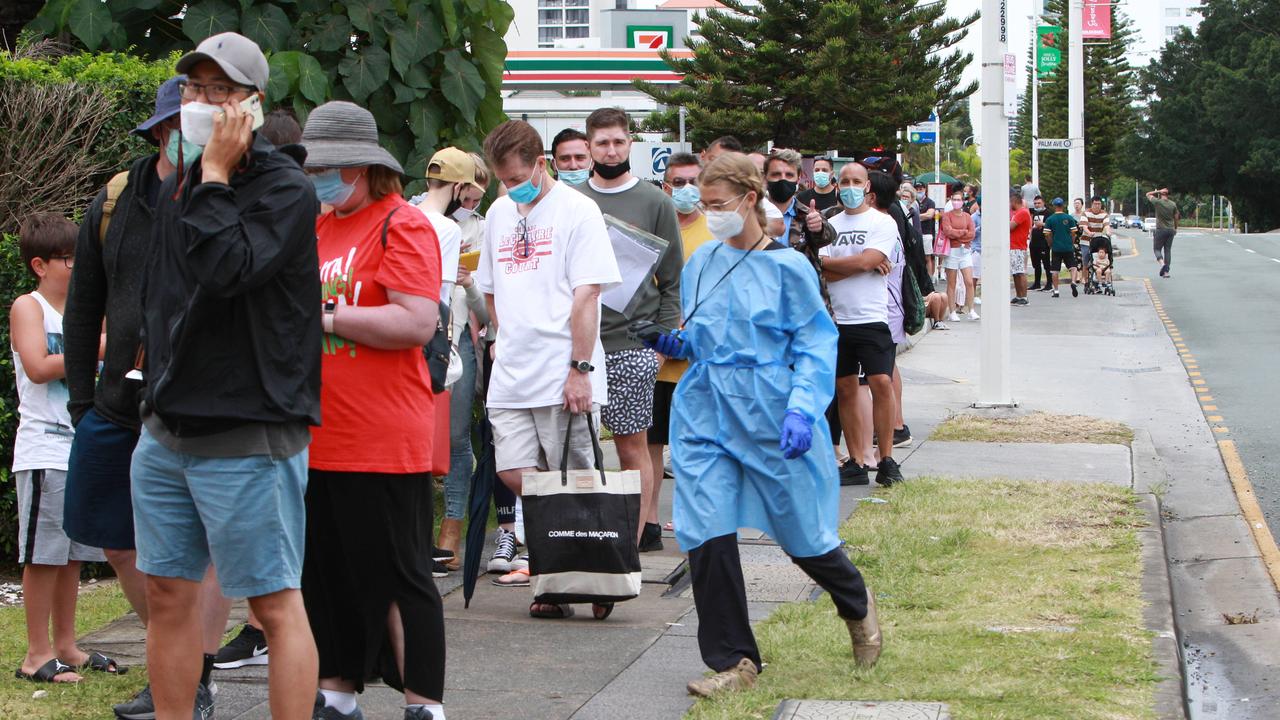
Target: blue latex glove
{"x": 672, "y": 345}
{"x": 797, "y": 435}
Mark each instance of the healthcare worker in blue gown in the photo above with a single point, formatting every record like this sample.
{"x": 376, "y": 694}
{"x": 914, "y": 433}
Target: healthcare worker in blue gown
{"x": 762, "y": 352}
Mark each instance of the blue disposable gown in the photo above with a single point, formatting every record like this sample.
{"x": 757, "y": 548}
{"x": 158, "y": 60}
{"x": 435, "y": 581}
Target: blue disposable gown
{"x": 760, "y": 344}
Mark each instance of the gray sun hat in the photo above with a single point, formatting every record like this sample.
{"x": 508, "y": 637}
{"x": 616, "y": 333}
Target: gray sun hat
{"x": 341, "y": 134}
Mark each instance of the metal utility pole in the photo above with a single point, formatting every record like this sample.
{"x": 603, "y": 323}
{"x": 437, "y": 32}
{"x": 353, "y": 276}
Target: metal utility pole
{"x": 937, "y": 148}
{"x": 995, "y": 387}
{"x": 1075, "y": 100}
{"x": 1035, "y": 99}
{"x": 683, "y": 147}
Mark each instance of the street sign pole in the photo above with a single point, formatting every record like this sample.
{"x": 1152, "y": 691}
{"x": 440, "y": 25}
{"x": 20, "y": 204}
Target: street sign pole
{"x": 1075, "y": 101}
{"x": 1035, "y": 98}
{"x": 937, "y": 148}
{"x": 994, "y": 388}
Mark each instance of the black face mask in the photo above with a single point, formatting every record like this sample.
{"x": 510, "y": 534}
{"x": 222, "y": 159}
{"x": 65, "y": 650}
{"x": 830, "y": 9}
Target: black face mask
{"x": 781, "y": 190}
{"x": 453, "y": 206}
{"x": 609, "y": 172}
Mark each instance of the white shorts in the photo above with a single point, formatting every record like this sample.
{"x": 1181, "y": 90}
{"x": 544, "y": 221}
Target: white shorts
{"x": 959, "y": 258}
{"x": 534, "y": 438}
{"x": 1017, "y": 262}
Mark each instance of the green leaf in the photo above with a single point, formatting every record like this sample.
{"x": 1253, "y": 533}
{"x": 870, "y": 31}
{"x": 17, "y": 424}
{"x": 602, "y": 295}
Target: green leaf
{"x": 462, "y": 84}
{"x": 208, "y": 18}
{"x": 501, "y": 13}
{"x": 424, "y": 120}
{"x": 423, "y": 24}
{"x": 405, "y": 49}
{"x": 449, "y": 14}
{"x": 490, "y": 53}
{"x": 382, "y": 105}
{"x": 283, "y": 77}
{"x": 90, "y": 20}
{"x": 418, "y": 77}
{"x": 266, "y": 25}
{"x": 403, "y": 93}
{"x": 301, "y": 110}
{"x": 364, "y": 13}
{"x": 365, "y": 70}
{"x": 330, "y": 33}
{"x": 312, "y": 81}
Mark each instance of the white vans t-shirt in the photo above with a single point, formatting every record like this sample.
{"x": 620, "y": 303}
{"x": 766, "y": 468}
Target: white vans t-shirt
{"x": 864, "y": 297}
{"x": 531, "y": 266}
{"x": 450, "y": 248}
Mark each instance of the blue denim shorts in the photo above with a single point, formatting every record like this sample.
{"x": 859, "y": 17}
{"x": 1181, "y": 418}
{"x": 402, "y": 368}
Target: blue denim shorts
{"x": 246, "y": 514}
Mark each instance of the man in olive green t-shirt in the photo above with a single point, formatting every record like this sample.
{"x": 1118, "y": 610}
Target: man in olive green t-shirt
{"x": 1166, "y": 227}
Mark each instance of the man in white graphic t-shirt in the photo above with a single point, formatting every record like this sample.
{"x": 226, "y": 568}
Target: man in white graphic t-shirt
{"x": 545, "y": 259}
{"x": 856, "y": 266}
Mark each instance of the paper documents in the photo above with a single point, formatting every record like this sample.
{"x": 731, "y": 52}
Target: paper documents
{"x": 636, "y": 252}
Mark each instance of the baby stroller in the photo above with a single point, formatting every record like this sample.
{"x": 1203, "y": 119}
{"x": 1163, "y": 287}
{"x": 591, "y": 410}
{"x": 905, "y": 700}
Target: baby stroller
{"x": 1101, "y": 262}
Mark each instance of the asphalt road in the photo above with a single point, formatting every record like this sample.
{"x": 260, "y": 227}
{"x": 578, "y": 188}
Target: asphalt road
{"x": 1223, "y": 298}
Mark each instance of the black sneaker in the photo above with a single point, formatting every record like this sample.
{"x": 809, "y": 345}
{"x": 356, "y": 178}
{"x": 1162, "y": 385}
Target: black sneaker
{"x": 139, "y": 707}
{"x": 851, "y": 473}
{"x": 651, "y": 537}
{"x": 440, "y": 554}
{"x": 438, "y": 569}
{"x": 247, "y": 648}
{"x": 1075, "y": 291}
{"x": 417, "y": 712}
{"x": 324, "y": 712}
{"x": 888, "y": 472}
{"x": 902, "y": 437}
{"x": 1034, "y": 286}
{"x": 204, "y": 704}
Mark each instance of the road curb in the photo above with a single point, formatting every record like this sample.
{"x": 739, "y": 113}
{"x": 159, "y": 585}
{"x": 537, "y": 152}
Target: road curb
{"x": 1149, "y": 483}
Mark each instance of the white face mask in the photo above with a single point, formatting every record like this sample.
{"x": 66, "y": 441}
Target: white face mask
{"x": 197, "y": 122}
{"x": 463, "y": 213}
{"x": 724, "y": 224}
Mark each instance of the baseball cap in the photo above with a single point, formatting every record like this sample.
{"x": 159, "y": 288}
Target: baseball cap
{"x": 1059, "y": 201}
{"x": 920, "y": 184}
{"x": 453, "y": 165}
{"x": 238, "y": 56}
{"x": 168, "y": 104}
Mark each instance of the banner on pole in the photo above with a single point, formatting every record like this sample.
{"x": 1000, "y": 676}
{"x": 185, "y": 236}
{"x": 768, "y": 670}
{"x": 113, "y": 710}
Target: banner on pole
{"x": 1010, "y": 85}
{"x": 1096, "y": 23}
{"x": 1048, "y": 49}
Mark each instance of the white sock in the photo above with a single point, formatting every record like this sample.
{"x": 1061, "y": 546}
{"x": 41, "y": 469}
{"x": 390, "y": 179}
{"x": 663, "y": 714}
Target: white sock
{"x": 343, "y": 702}
{"x": 437, "y": 710}
{"x": 519, "y": 524}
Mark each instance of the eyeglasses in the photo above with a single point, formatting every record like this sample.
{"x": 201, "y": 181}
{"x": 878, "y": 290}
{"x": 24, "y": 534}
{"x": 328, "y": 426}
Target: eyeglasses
{"x": 678, "y": 183}
{"x": 68, "y": 261}
{"x": 215, "y": 93}
{"x": 719, "y": 206}
{"x": 522, "y": 230}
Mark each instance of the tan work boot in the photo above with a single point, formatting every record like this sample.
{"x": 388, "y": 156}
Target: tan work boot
{"x": 451, "y": 540}
{"x": 739, "y": 677}
{"x": 865, "y": 634}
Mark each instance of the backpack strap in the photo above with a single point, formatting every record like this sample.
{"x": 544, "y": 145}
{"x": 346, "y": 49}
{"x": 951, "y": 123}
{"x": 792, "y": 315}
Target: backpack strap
{"x": 387, "y": 224}
{"x": 115, "y": 188}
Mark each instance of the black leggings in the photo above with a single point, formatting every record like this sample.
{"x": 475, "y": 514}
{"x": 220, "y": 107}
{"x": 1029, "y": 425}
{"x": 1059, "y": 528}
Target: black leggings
{"x": 1040, "y": 260}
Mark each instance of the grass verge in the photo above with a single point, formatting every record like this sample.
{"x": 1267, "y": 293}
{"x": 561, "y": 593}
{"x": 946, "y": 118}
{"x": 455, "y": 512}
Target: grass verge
{"x": 949, "y": 560}
{"x": 91, "y": 698}
{"x": 1037, "y": 427}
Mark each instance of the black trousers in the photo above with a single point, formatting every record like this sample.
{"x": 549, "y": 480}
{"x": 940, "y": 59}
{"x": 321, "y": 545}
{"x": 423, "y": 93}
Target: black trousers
{"x": 1040, "y": 260}
{"x": 720, "y": 598}
{"x": 1162, "y": 244}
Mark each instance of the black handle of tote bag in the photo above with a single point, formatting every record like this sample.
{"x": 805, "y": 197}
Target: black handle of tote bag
{"x": 595, "y": 447}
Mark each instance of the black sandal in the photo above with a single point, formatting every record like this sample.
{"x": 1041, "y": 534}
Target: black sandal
{"x": 98, "y": 662}
{"x": 47, "y": 673}
{"x": 601, "y": 611}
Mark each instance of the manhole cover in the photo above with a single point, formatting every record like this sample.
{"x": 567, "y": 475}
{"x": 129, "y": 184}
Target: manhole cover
{"x": 860, "y": 710}
{"x": 1132, "y": 371}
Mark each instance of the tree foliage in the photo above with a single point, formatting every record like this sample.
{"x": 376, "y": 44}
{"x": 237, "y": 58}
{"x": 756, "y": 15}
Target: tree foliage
{"x": 1213, "y": 122}
{"x": 1109, "y": 117}
{"x": 818, "y": 74}
{"x": 430, "y": 71}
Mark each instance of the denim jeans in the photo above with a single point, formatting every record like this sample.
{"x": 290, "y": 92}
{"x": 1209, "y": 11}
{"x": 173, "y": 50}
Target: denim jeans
{"x": 457, "y": 484}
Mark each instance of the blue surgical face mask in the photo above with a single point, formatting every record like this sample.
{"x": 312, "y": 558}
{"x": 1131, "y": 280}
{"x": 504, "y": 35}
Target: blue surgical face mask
{"x": 330, "y": 189}
{"x": 821, "y": 179}
{"x": 190, "y": 150}
{"x": 851, "y": 197}
{"x": 573, "y": 177}
{"x": 526, "y": 192}
{"x": 685, "y": 198}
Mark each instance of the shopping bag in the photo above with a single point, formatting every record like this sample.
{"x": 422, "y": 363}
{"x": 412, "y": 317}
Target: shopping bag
{"x": 440, "y": 438}
{"x": 580, "y": 527}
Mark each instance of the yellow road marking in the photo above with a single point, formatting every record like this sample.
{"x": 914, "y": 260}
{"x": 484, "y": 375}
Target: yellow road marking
{"x": 1198, "y": 381}
{"x": 1214, "y": 418}
{"x": 1251, "y": 510}
{"x": 1220, "y": 429}
{"x": 1193, "y": 373}
{"x": 1209, "y": 408}
{"x": 1206, "y": 398}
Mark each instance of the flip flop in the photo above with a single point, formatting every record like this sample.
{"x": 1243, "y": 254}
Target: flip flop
{"x": 47, "y": 672}
{"x": 558, "y": 612}
{"x": 669, "y": 527}
{"x": 98, "y": 662}
{"x": 516, "y": 578}
{"x": 601, "y": 611}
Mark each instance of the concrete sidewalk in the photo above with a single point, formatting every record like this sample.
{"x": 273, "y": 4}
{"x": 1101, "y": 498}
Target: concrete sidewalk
{"x": 1106, "y": 357}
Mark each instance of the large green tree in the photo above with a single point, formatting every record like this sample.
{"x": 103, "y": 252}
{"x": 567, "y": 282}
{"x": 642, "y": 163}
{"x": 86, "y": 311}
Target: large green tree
{"x": 430, "y": 71}
{"x": 818, "y": 74}
{"x": 1213, "y": 121}
{"x": 1109, "y": 117}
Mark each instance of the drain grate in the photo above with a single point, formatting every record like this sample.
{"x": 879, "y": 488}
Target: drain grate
{"x": 1132, "y": 371}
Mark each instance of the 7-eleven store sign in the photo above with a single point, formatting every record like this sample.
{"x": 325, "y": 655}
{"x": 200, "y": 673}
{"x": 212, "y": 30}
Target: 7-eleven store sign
{"x": 572, "y": 68}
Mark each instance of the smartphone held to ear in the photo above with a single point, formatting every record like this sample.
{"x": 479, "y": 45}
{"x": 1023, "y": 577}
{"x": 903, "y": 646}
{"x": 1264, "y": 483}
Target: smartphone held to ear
{"x": 253, "y": 106}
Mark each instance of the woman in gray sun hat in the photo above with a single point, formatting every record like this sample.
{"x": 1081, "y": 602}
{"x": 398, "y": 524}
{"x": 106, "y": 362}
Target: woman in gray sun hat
{"x": 366, "y": 577}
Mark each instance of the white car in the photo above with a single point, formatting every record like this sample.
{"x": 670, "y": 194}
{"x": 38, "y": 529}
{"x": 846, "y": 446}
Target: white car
{"x": 1149, "y": 225}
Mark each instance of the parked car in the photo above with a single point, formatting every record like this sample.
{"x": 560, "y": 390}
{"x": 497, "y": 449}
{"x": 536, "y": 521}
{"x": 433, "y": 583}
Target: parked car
{"x": 1134, "y": 222}
{"x": 1117, "y": 220}
{"x": 1149, "y": 225}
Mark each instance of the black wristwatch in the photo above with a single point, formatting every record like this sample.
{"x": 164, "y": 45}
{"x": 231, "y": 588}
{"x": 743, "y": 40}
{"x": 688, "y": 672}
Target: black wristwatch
{"x": 582, "y": 366}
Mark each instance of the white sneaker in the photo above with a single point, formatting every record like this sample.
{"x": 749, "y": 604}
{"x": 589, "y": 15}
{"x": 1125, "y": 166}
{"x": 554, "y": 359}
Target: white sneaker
{"x": 939, "y": 325}
{"x": 953, "y": 317}
{"x": 973, "y": 315}
{"x": 977, "y": 301}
